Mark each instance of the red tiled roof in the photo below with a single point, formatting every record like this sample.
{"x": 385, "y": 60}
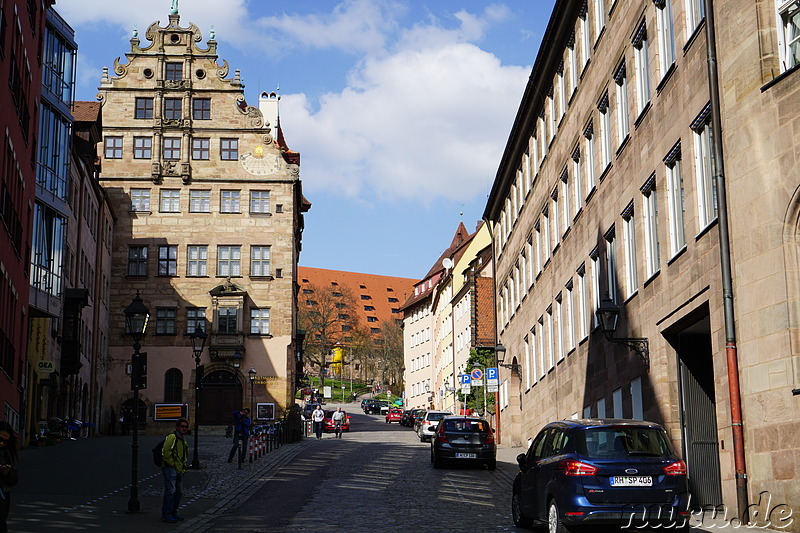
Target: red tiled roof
{"x": 379, "y": 289}
{"x": 85, "y": 111}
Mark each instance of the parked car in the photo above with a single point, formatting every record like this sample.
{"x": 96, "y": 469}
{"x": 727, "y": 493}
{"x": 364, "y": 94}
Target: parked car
{"x": 603, "y": 473}
{"x": 394, "y": 415}
{"x": 427, "y": 426}
{"x": 377, "y": 407}
{"x": 417, "y": 420}
{"x": 328, "y": 425}
{"x": 466, "y": 439}
{"x": 364, "y": 402}
{"x": 408, "y": 417}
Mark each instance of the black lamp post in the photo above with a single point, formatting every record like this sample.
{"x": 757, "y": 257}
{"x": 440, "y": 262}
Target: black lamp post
{"x": 136, "y": 317}
{"x": 198, "y": 338}
{"x": 500, "y": 354}
{"x": 252, "y": 374}
{"x": 608, "y": 315}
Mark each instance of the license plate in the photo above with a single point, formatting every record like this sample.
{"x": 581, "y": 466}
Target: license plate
{"x": 466, "y": 456}
{"x": 632, "y": 481}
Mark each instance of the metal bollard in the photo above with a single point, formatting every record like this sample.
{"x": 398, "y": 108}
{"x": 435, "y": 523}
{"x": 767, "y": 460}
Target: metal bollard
{"x": 250, "y": 449}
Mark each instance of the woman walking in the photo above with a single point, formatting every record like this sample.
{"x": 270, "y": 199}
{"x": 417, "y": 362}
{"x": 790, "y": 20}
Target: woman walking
{"x": 8, "y": 474}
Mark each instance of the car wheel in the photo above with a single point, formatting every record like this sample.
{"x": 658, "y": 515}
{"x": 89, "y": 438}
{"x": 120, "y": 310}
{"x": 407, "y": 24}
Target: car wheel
{"x": 554, "y": 524}
{"x": 492, "y": 464}
{"x": 520, "y": 520}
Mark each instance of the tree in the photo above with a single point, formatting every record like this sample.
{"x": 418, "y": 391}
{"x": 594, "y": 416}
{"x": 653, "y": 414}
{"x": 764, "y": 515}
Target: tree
{"x": 327, "y": 315}
{"x": 389, "y": 347}
{"x": 482, "y": 358}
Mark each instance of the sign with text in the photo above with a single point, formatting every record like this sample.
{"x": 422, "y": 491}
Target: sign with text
{"x": 477, "y": 377}
{"x": 265, "y": 411}
{"x": 170, "y": 411}
{"x": 492, "y": 377}
{"x": 44, "y": 368}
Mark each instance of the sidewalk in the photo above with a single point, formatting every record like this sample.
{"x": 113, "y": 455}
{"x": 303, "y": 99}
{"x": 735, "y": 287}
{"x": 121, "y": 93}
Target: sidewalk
{"x": 85, "y": 485}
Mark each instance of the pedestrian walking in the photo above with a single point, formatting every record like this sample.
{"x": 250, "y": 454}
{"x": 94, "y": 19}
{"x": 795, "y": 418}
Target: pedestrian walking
{"x": 338, "y": 418}
{"x": 112, "y": 421}
{"x": 241, "y": 433}
{"x": 317, "y": 417}
{"x": 174, "y": 456}
{"x": 8, "y": 473}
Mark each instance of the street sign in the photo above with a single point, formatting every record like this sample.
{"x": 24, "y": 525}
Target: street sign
{"x": 44, "y": 368}
{"x": 466, "y": 389}
{"x": 492, "y": 388}
{"x": 465, "y": 379}
{"x": 492, "y": 376}
{"x": 477, "y": 375}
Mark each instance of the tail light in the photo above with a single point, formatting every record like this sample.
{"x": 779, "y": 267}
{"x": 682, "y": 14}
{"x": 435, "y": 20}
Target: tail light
{"x": 577, "y": 468}
{"x": 677, "y": 468}
{"x": 489, "y": 438}
{"x": 441, "y": 437}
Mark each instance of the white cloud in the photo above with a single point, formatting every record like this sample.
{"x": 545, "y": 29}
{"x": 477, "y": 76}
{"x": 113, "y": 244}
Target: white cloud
{"x": 427, "y": 121}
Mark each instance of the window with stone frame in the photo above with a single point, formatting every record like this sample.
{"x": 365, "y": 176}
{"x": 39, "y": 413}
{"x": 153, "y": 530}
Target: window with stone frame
{"x": 165, "y": 321}
{"x": 623, "y": 117}
{"x": 259, "y": 261}
{"x": 142, "y": 147}
{"x": 704, "y": 168}
{"x": 201, "y": 108}
{"x": 229, "y": 261}
{"x": 201, "y": 149}
{"x": 230, "y": 201}
{"x": 675, "y": 200}
{"x": 227, "y": 320}
{"x": 666, "y": 36}
{"x": 629, "y": 243}
{"x": 168, "y": 260}
{"x": 137, "y": 260}
{"x": 259, "y": 321}
{"x": 642, "y": 65}
{"x": 195, "y": 317}
{"x": 173, "y": 109}
{"x": 789, "y": 33}
{"x": 259, "y": 202}
{"x": 229, "y": 149}
{"x": 172, "y": 148}
{"x": 197, "y": 260}
{"x": 652, "y": 252}
{"x": 170, "y": 201}
{"x": 173, "y": 70}
{"x": 199, "y": 200}
{"x": 143, "y": 108}
{"x": 695, "y": 13}
{"x": 140, "y": 200}
{"x": 113, "y": 147}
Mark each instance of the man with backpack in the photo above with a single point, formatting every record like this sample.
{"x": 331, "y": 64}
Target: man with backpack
{"x": 174, "y": 456}
{"x": 242, "y": 433}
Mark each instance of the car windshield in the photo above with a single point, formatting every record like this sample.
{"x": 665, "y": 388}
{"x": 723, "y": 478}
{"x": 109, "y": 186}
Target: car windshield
{"x": 436, "y": 416}
{"x": 473, "y": 426}
{"x": 623, "y": 442}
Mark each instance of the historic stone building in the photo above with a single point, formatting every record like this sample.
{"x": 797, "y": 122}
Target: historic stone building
{"x": 209, "y": 217}
{"x": 637, "y": 117}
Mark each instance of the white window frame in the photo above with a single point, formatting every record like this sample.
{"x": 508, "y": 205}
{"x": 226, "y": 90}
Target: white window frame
{"x": 789, "y": 33}
{"x": 527, "y": 362}
{"x": 534, "y": 356}
{"x": 140, "y": 200}
{"x": 566, "y": 212}
{"x": 695, "y": 13}
{"x": 197, "y": 260}
{"x": 583, "y": 306}
{"x": 666, "y": 36}
{"x": 629, "y": 240}
{"x": 623, "y": 115}
{"x": 605, "y": 133}
{"x": 595, "y": 274}
{"x": 551, "y": 347}
{"x": 542, "y": 365}
{"x": 570, "y": 314}
{"x": 641, "y": 60}
{"x": 588, "y": 163}
{"x": 599, "y": 19}
{"x": 572, "y": 60}
{"x": 704, "y": 176}
{"x": 650, "y": 215}
{"x": 559, "y": 318}
{"x": 199, "y": 200}
{"x": 586, "y": 47}
{"x": 611, "y": 266}
{"x": 577, "y": 179}
{"x": 556, "y": 229}
{"x": 170, "y": 201}
{"x": 676, "y": 206}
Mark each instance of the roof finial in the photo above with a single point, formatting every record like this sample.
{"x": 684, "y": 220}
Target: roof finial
{"x": 173, "y": 10}
{"x": 213, "y": 34}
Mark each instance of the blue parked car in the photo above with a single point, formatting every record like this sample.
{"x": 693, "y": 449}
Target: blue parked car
{"x": 601, "y": 472}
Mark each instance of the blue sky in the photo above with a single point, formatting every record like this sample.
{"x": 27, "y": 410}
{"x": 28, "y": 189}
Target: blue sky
{"x": 400, "y": 108}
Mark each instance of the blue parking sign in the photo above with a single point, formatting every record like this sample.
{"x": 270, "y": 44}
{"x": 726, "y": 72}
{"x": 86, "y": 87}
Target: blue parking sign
{"x": 491, "y": 373}
{"x": 466, "y": 379}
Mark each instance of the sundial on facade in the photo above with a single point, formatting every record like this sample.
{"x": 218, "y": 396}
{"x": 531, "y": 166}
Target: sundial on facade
{"x": 260, "y": 163}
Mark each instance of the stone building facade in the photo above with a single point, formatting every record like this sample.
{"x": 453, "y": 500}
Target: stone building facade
{"x": 608, "y": 187}
{"x": 209, "y": 221}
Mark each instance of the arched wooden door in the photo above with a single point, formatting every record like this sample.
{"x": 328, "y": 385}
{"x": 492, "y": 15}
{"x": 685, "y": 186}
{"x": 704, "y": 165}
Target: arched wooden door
{"x": 220, "y": 395}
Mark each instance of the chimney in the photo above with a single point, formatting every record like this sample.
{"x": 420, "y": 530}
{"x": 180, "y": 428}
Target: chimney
{"x": 268, "y": 105}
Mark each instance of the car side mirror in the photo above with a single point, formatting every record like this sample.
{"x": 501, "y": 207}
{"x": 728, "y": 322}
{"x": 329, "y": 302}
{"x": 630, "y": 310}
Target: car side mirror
{"x": 521, "y": 461}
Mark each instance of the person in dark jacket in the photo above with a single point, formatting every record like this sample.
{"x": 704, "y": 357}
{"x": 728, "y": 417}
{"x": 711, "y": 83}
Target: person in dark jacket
{"x": 242, "y": 433}
{"x": 8, "y": 472}
{"x": 174, "y": 457}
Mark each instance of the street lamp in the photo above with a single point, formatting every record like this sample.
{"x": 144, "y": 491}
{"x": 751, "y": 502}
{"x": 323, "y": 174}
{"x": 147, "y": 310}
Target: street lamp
{"x": 500, "y": 350}
{"x": 136, "y": 317}
{"x": 252, "y": 374}
{"x": 198, "y": 338}
{"x": 608, "y": 315}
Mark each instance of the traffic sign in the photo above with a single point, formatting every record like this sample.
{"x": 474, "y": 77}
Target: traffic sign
{"x": 477, "y": 375}
{"x": 492, "y": 376}
{"x": 492, "y": 388}
{"x": 465, "y": 379}
{"x": 466, "y": 389}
